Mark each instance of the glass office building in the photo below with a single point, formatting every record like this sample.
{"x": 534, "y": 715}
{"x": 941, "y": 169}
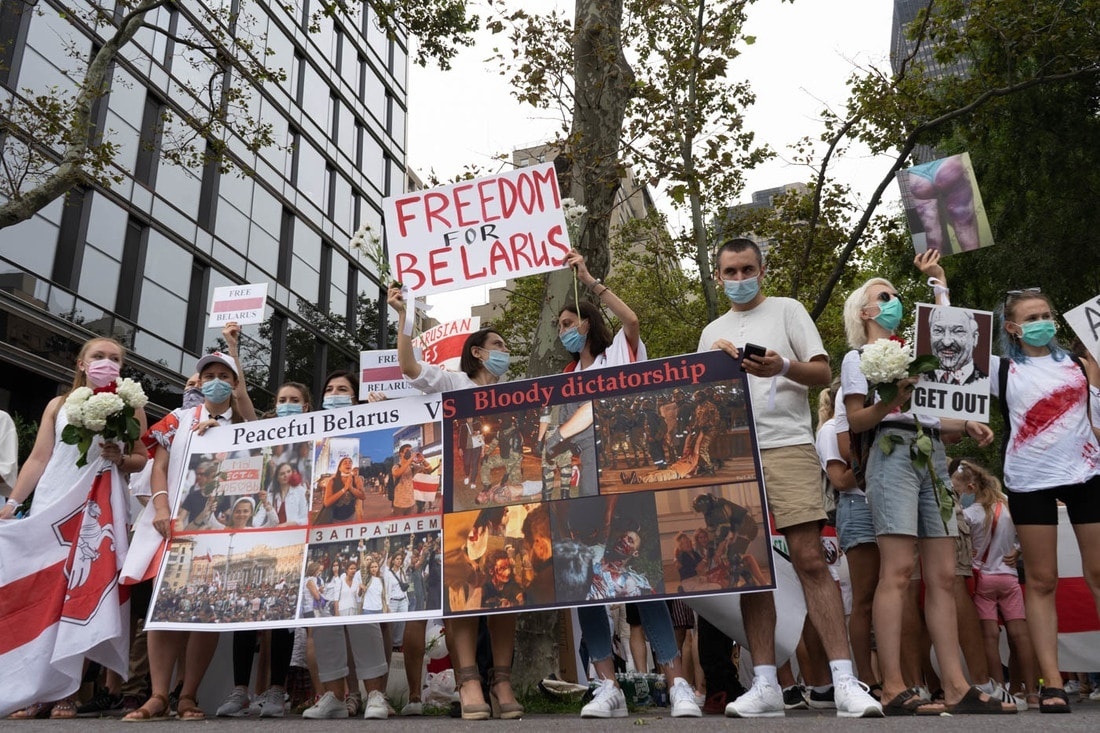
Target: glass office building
{"x": 140, "y": 259}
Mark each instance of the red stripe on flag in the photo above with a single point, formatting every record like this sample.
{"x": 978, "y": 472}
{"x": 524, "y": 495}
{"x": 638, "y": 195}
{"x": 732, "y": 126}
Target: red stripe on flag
{"x": 30, "y": 605}
{"x": 238, "y": 304}
{"x": 382, "y": 374}
{"x": 1076, "y": 607}
{"x": 448, "y": 348}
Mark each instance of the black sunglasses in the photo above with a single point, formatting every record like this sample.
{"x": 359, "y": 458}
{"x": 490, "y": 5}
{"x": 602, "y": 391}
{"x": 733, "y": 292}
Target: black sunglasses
{"x": 886, "y": 295}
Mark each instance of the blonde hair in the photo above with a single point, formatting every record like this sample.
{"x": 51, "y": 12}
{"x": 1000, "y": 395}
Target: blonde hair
{"x": 854, "y": 327}
{"x": 826, "y": 402}
{"x": 987, "y": 487}
{"x": 80, "y": 379}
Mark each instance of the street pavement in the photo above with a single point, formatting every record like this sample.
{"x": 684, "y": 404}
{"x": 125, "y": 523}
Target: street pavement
{"x": 1085, "y": 717}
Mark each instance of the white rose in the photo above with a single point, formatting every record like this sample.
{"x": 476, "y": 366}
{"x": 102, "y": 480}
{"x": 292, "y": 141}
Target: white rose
{"x": 885, "y": 361}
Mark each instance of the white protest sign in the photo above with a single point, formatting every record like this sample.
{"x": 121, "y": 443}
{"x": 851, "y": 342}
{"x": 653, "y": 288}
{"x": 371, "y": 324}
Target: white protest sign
{"x": 1085, "y": 322}
{"x": 493, "y": 228}
{"x": 240, "y": 475}
{"x": 380, "y": 372}
{"x": 241, "y": 303}
{"x": 442, "y": 344}
{"x": 961, "y": 339}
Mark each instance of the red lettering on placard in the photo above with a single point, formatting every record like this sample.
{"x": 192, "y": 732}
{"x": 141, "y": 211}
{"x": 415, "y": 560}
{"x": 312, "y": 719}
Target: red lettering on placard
{"x": 466, "y": 266}
{"x": 460, "y": 204}
{"x": 406, "y": 267}
{"x": 402, "y": 216}
{"x": 437, "y": 260}
{"x": 486, "y": 198}
{"x": 435, "y": 211}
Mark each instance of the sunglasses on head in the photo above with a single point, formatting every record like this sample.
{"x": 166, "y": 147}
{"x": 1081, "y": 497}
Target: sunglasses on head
{"x": 1025, "y": 291}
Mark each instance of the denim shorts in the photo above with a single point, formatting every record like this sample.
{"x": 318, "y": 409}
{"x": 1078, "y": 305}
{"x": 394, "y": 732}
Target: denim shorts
{"x": 901, "y": 497}
{"x": 853, "y": 520}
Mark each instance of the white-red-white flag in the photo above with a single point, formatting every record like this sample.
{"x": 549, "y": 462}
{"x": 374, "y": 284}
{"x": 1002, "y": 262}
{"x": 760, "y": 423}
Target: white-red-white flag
{"x": 1078, "y": 623}
{"x": 60, "y": 600}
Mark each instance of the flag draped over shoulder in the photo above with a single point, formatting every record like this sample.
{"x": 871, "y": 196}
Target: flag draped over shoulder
{"x": 60, "y": 600}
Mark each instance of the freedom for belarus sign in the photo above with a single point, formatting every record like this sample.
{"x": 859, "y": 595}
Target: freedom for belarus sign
{"x": 488, "y": 229}
{"x": 241, "y": 303}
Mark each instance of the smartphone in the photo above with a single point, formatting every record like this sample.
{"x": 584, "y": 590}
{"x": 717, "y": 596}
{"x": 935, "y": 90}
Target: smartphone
{"x": 752, "y": 350}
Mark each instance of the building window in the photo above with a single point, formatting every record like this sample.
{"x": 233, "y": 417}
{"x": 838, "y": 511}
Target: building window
{"x": 15, "y": 16}
{"x": 145, "y": 169}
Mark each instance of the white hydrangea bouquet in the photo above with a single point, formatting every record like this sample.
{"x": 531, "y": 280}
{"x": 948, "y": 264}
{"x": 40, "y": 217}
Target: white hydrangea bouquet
{"x": 884, "y": 363}
{"x": 887, "y": 361}
{"x": 107, "y": 412}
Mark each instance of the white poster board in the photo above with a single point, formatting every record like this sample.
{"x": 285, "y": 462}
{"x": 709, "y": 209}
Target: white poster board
{"x": 961, "y": 339}
{"x": 480, "y": 231}
{"x": 380, "y": 372}
{"x": 241, "y": 303}
{"x": 1085, "y": 322}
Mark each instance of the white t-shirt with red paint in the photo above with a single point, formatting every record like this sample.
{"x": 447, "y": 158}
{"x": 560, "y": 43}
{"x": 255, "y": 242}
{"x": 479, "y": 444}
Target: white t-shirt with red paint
{"x": 1051, "y": 443}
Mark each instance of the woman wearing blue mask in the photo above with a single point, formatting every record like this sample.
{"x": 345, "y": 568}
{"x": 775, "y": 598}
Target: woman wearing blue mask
{"x": 1051, "y": 456}
{"x": 905, "y": 511}
{"x": 585, "y": 335}
{"x": 292, "y": 399}
{"x": 484, "y": 361}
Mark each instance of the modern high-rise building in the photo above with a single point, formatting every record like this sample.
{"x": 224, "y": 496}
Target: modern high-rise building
{"x": 901, "y": 47}
{"x": 139, "y": 260}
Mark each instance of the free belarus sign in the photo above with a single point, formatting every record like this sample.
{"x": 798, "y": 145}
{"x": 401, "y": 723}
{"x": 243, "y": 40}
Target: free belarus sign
{"x": 241, "y": 303}
{"x": 488, "y": 229}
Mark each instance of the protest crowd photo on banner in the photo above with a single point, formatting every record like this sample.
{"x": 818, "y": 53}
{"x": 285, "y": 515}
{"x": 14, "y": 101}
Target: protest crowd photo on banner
{"x": 295, "y": 426}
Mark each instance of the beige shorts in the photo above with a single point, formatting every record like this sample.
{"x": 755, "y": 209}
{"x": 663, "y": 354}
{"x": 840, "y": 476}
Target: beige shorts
{"x": 792, "y": 477}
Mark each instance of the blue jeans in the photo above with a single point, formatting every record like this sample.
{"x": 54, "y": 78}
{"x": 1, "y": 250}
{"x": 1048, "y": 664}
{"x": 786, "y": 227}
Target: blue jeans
{"x": 655, "y": 620}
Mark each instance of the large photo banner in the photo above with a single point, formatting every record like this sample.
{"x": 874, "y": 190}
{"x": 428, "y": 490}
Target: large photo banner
{"x": 475, "y": 232}
{"x": 943, "y": 206}
{"x": 641, "y": 481}
{"x": 962, "y": 340}
{"x": 307, "y": 520}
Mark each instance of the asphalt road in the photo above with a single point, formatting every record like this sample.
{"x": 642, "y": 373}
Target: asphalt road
{"x": 1085, "y": 717}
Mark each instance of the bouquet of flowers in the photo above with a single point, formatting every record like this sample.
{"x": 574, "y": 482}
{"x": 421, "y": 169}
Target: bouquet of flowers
{"x": 884, "y": 363}
{"x": 107, "y": 412}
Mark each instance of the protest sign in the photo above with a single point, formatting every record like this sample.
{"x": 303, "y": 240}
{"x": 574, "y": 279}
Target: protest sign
{"x": 240, "y": 475}
{"x": 640, "y": 481}
{"x": 276, "y": 557}
{"x": 380, "y": 372}
{"x": 442, "y": 344}
{"x": 1085, "y": 322}
{"x": 493, "y": 228}
{"x": 944, "y": 206}
{"x": 961, "y": 339}
{"x": 241, "y": 303}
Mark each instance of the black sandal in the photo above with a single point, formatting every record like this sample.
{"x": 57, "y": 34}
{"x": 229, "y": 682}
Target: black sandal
{"x": 1054, "y": 693}
{"x": 910, "y": 702}
{"x": 973, "y": 704}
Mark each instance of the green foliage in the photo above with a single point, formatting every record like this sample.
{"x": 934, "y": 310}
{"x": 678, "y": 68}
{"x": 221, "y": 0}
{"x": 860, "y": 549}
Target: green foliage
{"x": 26, "y": 432}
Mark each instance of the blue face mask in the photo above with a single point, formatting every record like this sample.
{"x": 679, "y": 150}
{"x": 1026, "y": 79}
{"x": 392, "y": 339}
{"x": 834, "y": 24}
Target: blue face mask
{"x": 1038, "y": 333}
{"x": 217, "y": 390}
{"x": 967, "y": 499}
{"x": 889, "y": 314}
{"x": 192, "y": 398}
{"x": 288, "y": 408}
{"x": 742, "y": 291}
{"x": 333, "y": 401}
{"x": 573, "y": 340}
{"x": 497, "y": 363}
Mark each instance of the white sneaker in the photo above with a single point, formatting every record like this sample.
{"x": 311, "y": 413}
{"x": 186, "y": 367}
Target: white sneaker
{"x": 1021, "y": 702}
{"x": 609, "y": 702}
{"x": 376, "y": 708}
{"x": 854, "y": 700}
{"x": 413, "y": 707}
{"x": 271, "y": 703}
{"x": 237, "y": 704}
{"x": 1072, "y": 687}
{"x": 327, "y": 707}
{"x": 763, "y": 700}
{"x": 682, "y": 697}
{"x": 1095, "y": 694}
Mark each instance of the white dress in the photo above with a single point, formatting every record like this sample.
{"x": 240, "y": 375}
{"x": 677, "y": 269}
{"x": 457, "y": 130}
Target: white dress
{"x": 61, "y": 473}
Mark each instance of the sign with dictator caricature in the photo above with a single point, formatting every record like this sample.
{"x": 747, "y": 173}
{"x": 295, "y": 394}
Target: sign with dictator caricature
{"x": 241, "y": 303}
{"x": 961, "y": 339}
{"x": 632, "y": 482}
{"x": 493, "y": 228}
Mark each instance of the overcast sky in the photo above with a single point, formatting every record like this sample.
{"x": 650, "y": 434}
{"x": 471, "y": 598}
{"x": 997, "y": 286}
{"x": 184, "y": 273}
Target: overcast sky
{"x": 804, "y": 53}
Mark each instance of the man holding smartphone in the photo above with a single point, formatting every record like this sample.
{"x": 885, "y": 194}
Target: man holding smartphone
{"x": 793, "y": 360}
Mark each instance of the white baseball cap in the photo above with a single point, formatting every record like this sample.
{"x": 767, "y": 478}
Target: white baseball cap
{"x": 217, "y": 358}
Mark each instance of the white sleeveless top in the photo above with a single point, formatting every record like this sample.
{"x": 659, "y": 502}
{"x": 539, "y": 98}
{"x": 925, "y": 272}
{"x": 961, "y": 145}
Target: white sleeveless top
{"x": 61, "y": 473}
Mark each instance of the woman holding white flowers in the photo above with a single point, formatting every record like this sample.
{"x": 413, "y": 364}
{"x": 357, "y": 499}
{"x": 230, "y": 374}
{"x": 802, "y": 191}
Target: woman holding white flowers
{"x": 51, "y": 468}
{"x": 907, "y": 502}
{"x": 50, "y": 471}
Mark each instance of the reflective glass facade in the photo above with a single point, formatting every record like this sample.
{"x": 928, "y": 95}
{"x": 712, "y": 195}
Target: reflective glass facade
{"x": 140, "y": 259}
